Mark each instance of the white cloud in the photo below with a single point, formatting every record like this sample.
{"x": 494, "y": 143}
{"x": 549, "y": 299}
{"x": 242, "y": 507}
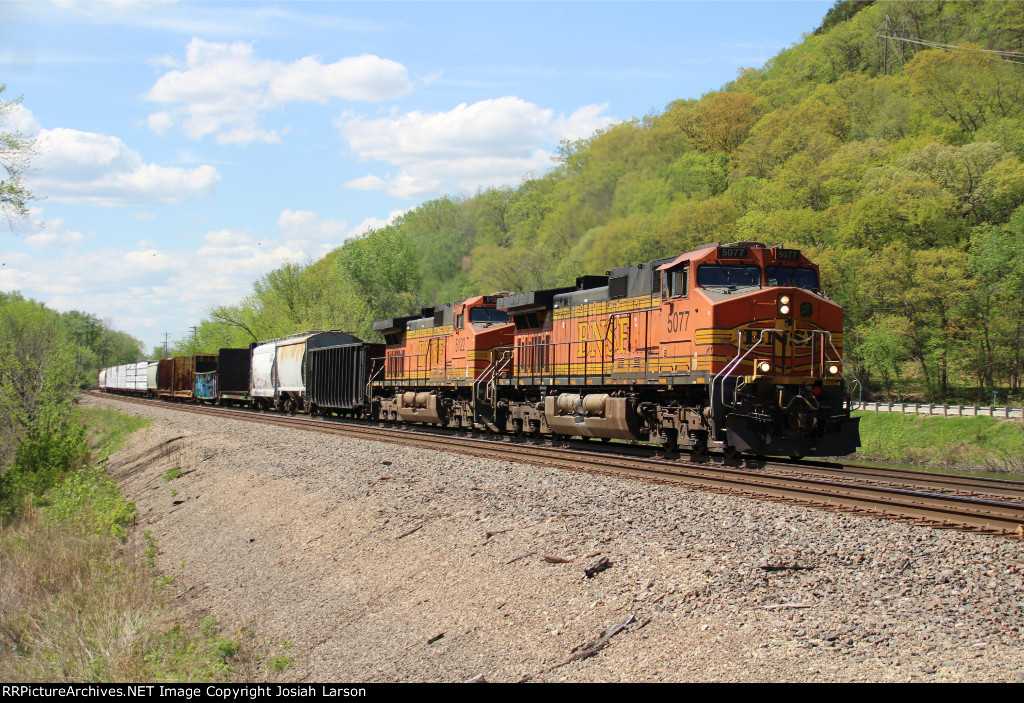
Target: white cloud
{"x": 371, "y": 223}
{"x": 304, "y": 224}
{"x": 491, "y": 142}
{"x": 368, "y": 182}
{"x": 165, "y": 286}
{"x": 160, "y": 122}
{"x": 53, "y": 233}
{"x": 20, "y": 119}
{"x": 85, "y": 167}
{"x": 224, "y": 89}
{"x": 582, "y": 123}
{"x": 365, "y": 78}
{"x": 227, "y": 237}
{"x": 500, "y": 127}
{"x": 148, "y": 281}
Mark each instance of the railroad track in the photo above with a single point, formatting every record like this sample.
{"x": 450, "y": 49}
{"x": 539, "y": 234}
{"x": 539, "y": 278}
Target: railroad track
{"x": 988, "y": 506}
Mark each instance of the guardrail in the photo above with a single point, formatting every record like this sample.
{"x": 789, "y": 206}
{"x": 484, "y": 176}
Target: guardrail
{"x": 932, "y": 409}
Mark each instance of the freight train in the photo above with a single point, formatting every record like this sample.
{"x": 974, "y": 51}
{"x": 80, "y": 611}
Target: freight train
{"x": 731, "y": 347}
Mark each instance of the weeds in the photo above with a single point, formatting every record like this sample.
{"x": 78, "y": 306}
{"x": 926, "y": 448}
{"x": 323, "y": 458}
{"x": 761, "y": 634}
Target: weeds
{"x": 77, "y": 604}
{"x": 282, "y": 662}
{"x": 151, "y": 549}
{"x": 944, "y": 442}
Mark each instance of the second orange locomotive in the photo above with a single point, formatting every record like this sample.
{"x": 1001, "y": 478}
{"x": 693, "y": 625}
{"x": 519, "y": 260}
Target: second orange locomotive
{"x": 730, "y": 346}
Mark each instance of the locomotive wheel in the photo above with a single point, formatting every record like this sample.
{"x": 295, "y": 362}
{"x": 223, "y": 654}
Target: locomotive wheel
{"x": 730, "y": 452}
{"x": 700, "y": 448}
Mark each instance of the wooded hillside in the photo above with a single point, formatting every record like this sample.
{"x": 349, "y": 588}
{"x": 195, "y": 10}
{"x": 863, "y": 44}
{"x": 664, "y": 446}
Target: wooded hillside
{"x": 895, "y": 163}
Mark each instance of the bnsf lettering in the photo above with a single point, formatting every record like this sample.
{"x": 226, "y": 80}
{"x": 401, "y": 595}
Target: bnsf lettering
{"x": 594, "y": 334}
{"x": 437, "y": 355}
{"x": 752, "y": 334}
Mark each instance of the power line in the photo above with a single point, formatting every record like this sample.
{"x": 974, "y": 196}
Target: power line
{"x": 899, "y": 33}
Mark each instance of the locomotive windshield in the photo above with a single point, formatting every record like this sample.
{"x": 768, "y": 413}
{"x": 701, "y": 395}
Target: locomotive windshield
{"x": 487, "y": 315}
{"x": 709, "y": 275}
{"x": 795, "y": 277}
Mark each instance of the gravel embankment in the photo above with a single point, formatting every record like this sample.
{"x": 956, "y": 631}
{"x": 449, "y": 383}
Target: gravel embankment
{"x": 385, "y": 563}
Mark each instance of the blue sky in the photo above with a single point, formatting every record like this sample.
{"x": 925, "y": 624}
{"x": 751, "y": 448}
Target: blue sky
{"x": 185, "y": 149}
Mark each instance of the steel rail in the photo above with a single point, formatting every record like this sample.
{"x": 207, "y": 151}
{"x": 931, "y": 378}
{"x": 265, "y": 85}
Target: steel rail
{"x": 1012, "y": 490}
{"x": 924, "y": 507}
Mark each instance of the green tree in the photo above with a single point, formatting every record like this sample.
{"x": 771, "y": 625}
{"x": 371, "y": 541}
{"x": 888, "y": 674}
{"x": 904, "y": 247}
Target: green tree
{"x": 967, "y": 86}
{"x": 16, "y": 151}
{"x": 39, "y": 377}
{"x": 719, "y": 121}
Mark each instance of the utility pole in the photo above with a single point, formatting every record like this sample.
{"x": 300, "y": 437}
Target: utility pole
{"x": 899, "y": 32}
{"x": 166, "y": 336}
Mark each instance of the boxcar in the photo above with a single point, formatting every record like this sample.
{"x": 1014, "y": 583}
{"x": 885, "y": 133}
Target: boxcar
{"x": 205, "y": 386}
{"x": 136, "y": 383}
{"x": 183, "y": 373}
{"x": 165, "y": 377}
{"x": 234, "y": 367}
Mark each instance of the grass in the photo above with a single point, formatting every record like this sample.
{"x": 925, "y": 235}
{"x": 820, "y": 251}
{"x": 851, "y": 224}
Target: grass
{"x": 982, "y": 443}
{"x": 79, "y": 607}
{"x": 108, "y": 430}
{"x": 77, "y": 603}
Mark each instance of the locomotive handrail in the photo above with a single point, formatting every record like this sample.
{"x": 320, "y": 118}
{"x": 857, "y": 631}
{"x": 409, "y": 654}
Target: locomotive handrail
{"x": 849, "y": 391}
{"x": 736, "y": 361}
{"x": 502, "y": 359}
{"x": 500, "y": 364}
{"x": 373, "y": 375}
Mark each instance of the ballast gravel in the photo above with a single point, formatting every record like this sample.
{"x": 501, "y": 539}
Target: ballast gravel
{"x": 384, "y": 563}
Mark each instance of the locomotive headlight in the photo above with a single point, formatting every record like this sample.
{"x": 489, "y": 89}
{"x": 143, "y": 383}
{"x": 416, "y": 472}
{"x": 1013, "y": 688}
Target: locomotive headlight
{"x": 784, "y": 305}
{"x": 833, "y": 369}
{"x": 764, "y": 367}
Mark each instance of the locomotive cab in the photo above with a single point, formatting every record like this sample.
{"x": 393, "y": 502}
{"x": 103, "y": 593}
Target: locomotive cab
{"x": 437, "y": 362}
{"x": 775, "y": 348}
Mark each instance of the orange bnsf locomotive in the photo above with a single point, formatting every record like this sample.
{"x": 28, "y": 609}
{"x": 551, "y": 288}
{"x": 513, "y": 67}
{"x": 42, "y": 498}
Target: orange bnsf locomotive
{"x": 731, "y": 347}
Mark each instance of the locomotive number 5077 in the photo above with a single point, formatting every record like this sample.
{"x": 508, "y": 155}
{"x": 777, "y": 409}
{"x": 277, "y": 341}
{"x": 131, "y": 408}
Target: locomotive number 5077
{"x": 678, "y": 321}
